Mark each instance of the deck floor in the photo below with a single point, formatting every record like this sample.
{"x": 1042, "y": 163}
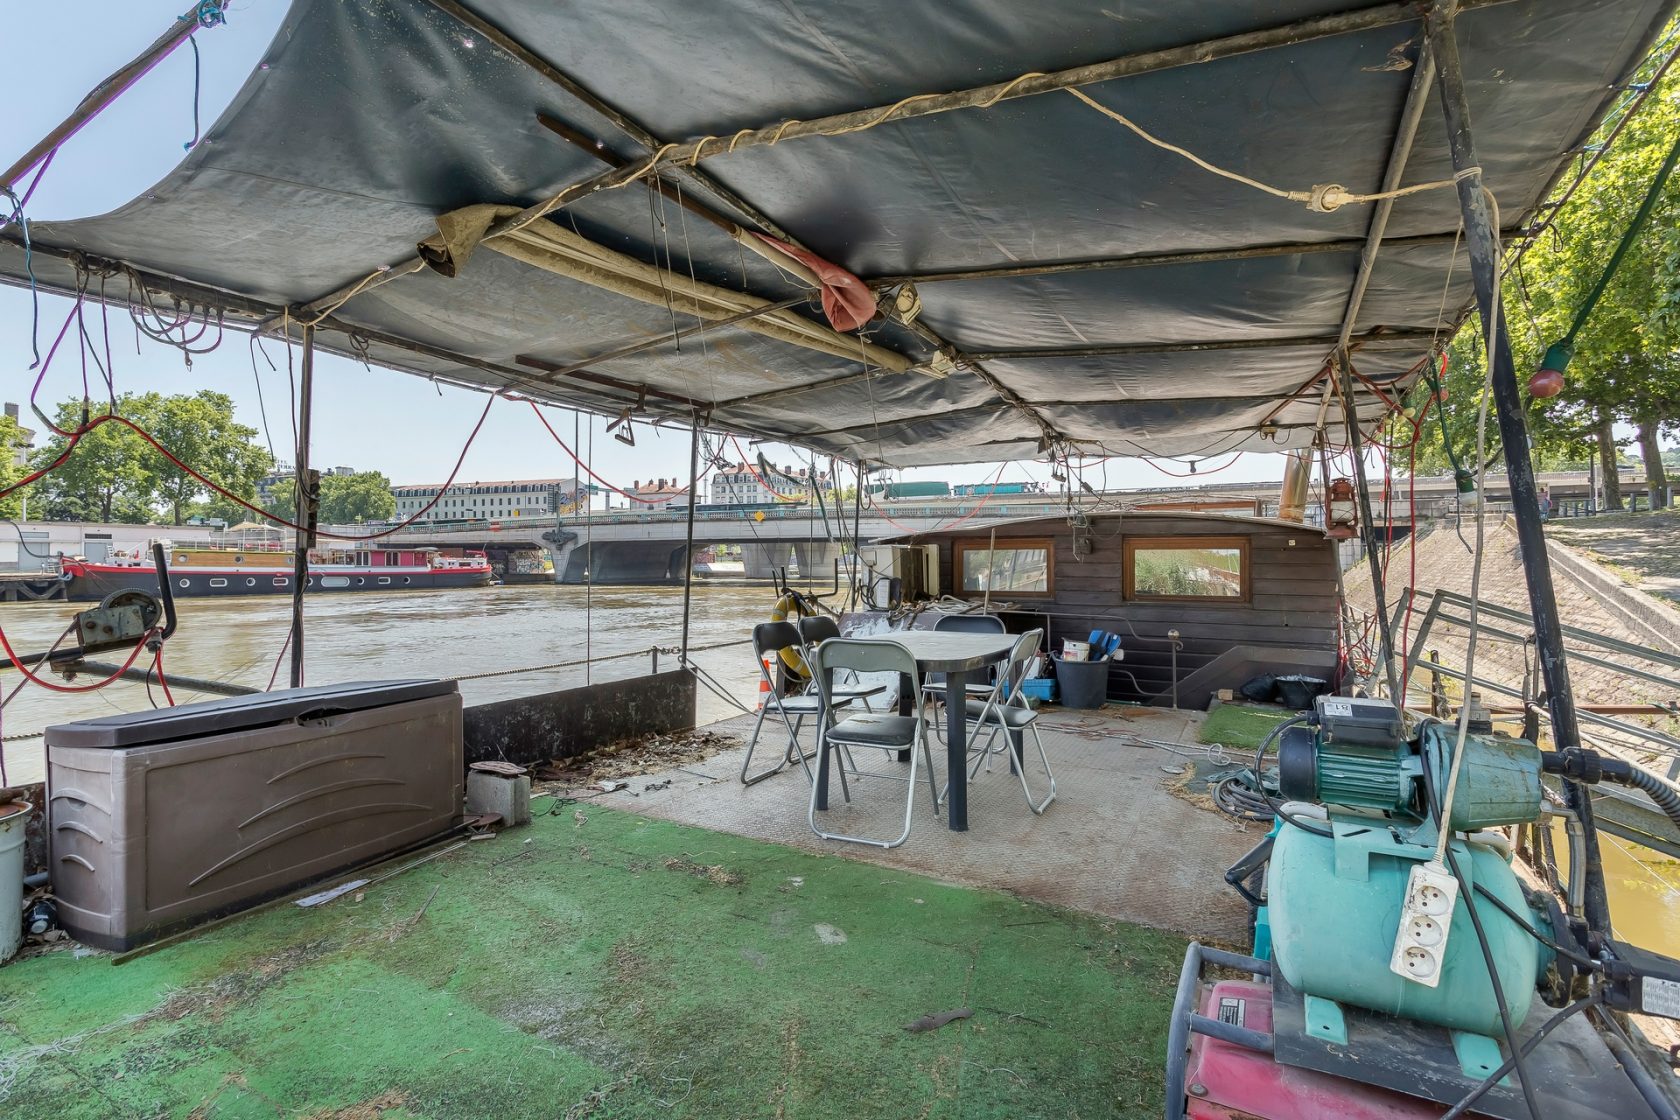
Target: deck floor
{"x": 1117, "y": 841}
{"x": 606, "y": 963}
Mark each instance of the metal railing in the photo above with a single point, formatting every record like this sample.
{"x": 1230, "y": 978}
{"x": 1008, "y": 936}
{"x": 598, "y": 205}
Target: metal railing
{"x": 1629, "y": 814}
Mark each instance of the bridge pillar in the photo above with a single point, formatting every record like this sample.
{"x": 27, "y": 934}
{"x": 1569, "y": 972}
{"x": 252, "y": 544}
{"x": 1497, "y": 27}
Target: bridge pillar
{"x": 632, "y": 561}
{"x": 759, "y": 561}
{"x": 816, "y": 558}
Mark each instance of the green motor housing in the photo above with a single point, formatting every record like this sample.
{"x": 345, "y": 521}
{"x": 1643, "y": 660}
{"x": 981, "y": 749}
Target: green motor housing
{"x": 1498, "y": 780}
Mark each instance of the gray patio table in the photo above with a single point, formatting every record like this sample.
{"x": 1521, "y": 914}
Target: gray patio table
{"x": 956, "y": 654}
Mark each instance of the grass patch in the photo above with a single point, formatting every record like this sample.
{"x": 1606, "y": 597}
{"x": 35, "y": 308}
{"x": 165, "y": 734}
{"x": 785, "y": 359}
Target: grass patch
{"x": 625, "y": 968}
{"x": 1242, "y": 725}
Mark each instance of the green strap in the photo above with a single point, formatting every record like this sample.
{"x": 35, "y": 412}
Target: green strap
{"x": 1633, "y": 229}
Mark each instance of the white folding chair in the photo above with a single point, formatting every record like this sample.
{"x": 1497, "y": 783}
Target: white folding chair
{"x": 1006, "y": 710}
{"x": 878, "y": 730}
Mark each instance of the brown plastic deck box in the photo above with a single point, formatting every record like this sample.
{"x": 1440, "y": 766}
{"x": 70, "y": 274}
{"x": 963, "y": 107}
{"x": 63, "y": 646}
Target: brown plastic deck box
{"x": 158, "y": 820}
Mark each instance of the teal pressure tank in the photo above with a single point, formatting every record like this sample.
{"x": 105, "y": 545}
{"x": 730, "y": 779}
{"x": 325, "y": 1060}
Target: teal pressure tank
{"x": 1334, "y": 906}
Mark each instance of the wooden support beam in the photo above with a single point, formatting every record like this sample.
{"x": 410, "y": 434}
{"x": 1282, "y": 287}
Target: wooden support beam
{"x": 1155, "y": 260}
{"x": 1129, "y": 348}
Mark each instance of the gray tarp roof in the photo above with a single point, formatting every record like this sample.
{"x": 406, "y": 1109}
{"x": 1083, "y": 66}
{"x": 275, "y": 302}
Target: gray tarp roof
{"x": 368, "y": 119}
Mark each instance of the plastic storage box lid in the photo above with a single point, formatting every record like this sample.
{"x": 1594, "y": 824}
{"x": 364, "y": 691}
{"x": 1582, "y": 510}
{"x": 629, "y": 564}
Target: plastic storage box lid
{"x": 239, "y": 713}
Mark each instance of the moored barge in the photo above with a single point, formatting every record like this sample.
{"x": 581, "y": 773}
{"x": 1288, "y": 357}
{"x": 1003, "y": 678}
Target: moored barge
{"x": 207, "y": 572}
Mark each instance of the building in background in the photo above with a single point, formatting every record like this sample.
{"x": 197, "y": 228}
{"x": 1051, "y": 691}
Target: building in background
{"x": 744, "y": 485}
{"x": 662, "y": 493}
{"x": 488, "y": 501}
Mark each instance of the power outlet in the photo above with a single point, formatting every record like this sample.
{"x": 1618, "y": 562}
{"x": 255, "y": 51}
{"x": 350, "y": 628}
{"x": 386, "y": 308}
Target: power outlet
{"x": 1420, "y": 944}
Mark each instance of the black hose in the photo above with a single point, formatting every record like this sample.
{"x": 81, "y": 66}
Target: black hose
{"x": 1534, "y": 1040}
{"x": 1505, "y": 1020}
{"x": 1660, "y": 791}
{"x": 1583, "y": 961}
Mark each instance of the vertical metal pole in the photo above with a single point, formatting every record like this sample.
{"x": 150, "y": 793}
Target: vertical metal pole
{"x": 306, "y": 510}
{"x": 1367, "y": 527}
{"x": 688, "y": 543}
{"x": 1481, "y": 238}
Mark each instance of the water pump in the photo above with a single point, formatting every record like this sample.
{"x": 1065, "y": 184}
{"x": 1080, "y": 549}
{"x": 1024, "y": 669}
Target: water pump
{"x": 1350, "y": 919}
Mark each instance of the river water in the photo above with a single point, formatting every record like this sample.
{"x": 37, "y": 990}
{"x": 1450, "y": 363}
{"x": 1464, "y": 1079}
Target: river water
{"x": 368, "y": 636}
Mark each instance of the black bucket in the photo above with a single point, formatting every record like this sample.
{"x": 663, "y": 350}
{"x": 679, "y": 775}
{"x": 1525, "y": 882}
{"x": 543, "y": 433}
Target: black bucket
{"x": 1083, "y": 684}
{"x": 1297, "y": 692}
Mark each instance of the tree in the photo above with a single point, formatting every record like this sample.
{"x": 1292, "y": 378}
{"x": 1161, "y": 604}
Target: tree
{"x": 1626, "y": 367}
{"x": 348, "y": 498}
{"x": 345, "y": 499}
{"x": 12, "y": 443}
{"x": 201, "y": 431}
{"x": 103, "y": 479}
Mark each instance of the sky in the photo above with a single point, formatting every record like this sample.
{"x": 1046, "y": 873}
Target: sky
{"x": 371, "y": 420}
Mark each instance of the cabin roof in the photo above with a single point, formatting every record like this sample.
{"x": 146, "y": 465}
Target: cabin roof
{"x": 1093, "y": 292}
{"x": 1126, "y": 516}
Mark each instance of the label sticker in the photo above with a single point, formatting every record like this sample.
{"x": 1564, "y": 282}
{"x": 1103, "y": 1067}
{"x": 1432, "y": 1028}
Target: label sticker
{"x": 1660, "y": 997}
{"x": 1232, "y": 1010}
{"x": 1338, "y": 708}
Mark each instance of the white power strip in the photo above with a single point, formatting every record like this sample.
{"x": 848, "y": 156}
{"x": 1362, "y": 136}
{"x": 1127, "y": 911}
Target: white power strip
{"x": 1420, "y": 944}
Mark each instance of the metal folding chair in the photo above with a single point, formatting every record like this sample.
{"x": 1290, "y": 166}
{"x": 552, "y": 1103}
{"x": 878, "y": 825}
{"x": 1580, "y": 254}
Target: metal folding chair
{"x": 1006, "y": 710}
{"x": 816, "y": 629}
{"x": 870, "y": 729}
{"x": 769, "y": 640}
{"x": 933, "y": 688}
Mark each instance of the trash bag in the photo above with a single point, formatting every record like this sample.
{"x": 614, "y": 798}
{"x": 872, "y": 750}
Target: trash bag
{"x": 1261, "y": 689}
{"x": 1297, "y": 691}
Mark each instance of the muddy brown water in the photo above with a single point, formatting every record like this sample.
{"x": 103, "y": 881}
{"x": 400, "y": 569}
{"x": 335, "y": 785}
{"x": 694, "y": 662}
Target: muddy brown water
{"x": 370, "y": 636}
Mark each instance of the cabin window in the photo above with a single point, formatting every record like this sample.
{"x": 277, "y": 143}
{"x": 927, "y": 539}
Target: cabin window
{"x": 218, "y": 583}
{"x": 1182, "y": 568}
{"x": 1012, "y": 567}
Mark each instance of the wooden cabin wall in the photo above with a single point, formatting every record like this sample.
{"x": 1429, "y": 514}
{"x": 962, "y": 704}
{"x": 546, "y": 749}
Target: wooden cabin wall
{"x": 1292, "y": 606}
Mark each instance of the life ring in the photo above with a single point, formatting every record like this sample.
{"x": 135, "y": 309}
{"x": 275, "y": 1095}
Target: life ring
{"x": 789, "y": 606}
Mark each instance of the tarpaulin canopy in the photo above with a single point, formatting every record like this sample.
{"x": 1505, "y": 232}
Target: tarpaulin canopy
{"x": 1049, "y": 277}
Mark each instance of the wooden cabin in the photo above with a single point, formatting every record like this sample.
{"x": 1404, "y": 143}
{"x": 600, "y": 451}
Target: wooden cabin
{"x": 1247, "y": 595}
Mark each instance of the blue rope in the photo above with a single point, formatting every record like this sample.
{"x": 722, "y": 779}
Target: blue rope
{"x": 192, "y": 40}
{"x": 29, "y": 267}
{"x": 209, "y": 14}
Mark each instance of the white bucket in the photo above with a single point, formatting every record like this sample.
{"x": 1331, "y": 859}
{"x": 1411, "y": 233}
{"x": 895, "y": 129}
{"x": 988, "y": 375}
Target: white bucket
{"x": 14, "y": 816}
{"x": 1075, "y": 651}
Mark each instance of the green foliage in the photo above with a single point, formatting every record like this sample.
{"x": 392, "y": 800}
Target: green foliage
{"x": 348, "y": 498}
{"x": 345, "y": 499}
{"x": 12, "y": 441}
{"x": 1627, "y": 354}
{"x": 114, "y": 475}
{"x": 104, "y": 479}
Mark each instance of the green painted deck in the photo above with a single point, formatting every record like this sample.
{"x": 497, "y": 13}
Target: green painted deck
{"x": 601, "y": 964}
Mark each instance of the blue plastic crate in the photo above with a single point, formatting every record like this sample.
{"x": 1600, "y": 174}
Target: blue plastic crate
{"x": 1040, "y": 688}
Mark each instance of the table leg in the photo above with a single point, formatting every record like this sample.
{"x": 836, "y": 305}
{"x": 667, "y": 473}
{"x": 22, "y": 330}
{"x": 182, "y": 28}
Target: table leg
{"x": 909, "y": 703}
{"x": 822, "y": 769}
{"x": 956, "y": 750}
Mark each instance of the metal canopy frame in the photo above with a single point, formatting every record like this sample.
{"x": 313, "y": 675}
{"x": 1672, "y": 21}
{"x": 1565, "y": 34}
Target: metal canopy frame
{"x": 598, "y": 390}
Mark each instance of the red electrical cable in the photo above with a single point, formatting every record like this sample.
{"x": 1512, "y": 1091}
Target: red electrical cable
{"x": 590, "y": 471}
{"x": 284, "y": 646}
{"x": 18, "y": 664}
{"x": 762, "y": 481}
{"x": 109, "y": 418}
{"x": 1197, "y": 474}
{"x": 157, "y": 663}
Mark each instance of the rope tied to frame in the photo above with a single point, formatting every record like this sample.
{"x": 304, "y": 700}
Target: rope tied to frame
{"x": 1323, "y": 198}
{"x": 208, "y": 14}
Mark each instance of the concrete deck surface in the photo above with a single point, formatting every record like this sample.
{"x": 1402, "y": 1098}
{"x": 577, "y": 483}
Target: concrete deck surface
{"x": 1117, "y": 841}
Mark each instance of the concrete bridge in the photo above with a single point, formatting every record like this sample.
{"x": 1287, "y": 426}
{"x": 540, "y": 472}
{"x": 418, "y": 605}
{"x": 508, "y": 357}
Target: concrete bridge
{"x": 647, "y": 547}
{"x": 619, "y": 547}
